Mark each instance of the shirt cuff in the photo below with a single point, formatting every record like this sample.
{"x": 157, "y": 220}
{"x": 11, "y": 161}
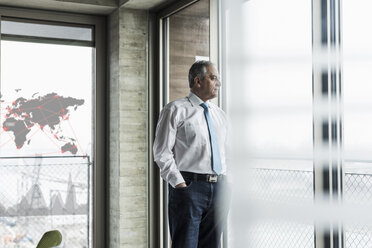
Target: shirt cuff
{"x": 176, "y": 179}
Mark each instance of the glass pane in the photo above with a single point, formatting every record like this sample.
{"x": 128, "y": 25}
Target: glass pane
{"x": 188, "y": 42}
{"x": 279, "y": 108}
{"x": 46, "y": 141}
{"x": 272, "y": 118}
{"x": 277, "y": 78}
{"x": 46, "y": 31}
{"x": 357, "y": 57}
{"x": 357, "y": 79}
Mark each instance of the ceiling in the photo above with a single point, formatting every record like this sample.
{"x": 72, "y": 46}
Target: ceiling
{"x": 144, "y": 4}
{"x": 103, "y": 7}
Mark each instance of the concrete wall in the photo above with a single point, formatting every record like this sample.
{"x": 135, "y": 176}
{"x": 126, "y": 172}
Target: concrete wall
{"x": 114, "y": 182}
{"x": 128, "y": 32}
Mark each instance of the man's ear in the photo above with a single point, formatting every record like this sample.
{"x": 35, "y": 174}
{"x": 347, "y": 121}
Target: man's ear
{"x": 197, "y": 81}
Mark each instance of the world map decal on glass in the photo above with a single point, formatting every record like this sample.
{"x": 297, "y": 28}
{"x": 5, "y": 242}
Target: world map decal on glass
{"x": 23, "y": 118}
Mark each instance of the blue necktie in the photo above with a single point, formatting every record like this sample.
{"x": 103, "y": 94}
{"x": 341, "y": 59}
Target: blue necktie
{"x": 216, "y": 160}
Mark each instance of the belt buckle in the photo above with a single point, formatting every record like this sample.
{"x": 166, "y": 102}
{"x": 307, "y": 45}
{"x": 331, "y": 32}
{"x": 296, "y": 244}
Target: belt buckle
{"x": 212, "y": 178}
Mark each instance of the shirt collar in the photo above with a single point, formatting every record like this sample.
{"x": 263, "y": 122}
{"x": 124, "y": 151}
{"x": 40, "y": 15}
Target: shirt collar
{"x": 195, "y": 100}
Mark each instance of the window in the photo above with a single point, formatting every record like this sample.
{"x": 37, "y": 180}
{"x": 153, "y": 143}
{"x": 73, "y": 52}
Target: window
{"x": 299, "y": 92}
{"x": 268, "y": 75}
{"x": 357, "y": 59}
{"x": 48, "y": 131}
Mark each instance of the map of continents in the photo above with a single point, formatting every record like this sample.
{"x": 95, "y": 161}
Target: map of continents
{"x": 45, "y": 111}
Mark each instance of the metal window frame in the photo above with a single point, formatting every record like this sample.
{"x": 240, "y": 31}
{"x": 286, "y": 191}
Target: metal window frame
{"x": 327, "y": 126}
{"x": 100, "y": 132}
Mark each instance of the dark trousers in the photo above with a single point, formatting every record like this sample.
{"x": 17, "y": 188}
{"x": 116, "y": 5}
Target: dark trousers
{"x": 197, "y": 214}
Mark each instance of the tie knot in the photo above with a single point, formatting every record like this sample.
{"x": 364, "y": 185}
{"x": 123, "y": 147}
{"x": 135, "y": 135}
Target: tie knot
{"x": 204, "y": 105}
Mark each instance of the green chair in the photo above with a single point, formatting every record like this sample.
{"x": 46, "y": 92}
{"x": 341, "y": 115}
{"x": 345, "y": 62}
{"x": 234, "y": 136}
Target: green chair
{"x": 50, "y": 239}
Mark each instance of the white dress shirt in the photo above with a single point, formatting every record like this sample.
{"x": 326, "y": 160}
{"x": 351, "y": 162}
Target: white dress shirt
{"x": 182, "y": 139}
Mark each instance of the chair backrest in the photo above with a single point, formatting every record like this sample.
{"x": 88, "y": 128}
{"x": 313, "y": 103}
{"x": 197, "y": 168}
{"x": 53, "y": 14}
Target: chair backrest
{"x": 50, "y": 239}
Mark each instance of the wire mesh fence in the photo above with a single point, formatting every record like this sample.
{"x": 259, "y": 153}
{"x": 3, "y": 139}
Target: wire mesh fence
{"x": 41, "y": 194}
{"x": 280, "y": 187}
{"x": 277, "y": 186}
{"x": 358, "y": 192}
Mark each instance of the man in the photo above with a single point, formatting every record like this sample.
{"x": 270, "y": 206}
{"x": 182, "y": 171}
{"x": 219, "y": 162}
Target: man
{"x": 189, "y": 149}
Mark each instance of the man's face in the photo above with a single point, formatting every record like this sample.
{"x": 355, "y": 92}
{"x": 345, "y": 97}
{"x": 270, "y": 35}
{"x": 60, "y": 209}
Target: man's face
{"x": 210, "y": 85}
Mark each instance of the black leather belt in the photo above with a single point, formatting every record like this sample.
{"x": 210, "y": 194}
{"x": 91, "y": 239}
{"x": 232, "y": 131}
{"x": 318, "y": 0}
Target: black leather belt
{"x": 211, "y": 178}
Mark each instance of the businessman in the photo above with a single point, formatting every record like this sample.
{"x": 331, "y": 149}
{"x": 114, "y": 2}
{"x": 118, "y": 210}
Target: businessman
{"x": 189, "y": 149}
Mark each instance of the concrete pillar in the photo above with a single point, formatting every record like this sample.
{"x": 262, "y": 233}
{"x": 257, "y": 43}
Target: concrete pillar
{"x": 128, "y": 32}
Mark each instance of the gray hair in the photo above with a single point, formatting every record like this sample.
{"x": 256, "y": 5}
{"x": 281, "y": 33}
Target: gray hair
{"x": 198, "y": 69}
